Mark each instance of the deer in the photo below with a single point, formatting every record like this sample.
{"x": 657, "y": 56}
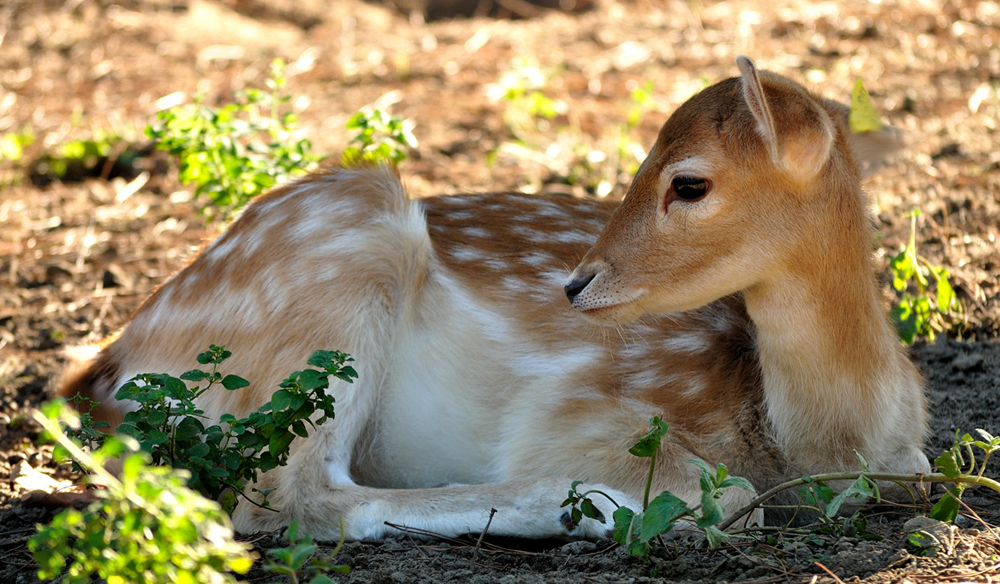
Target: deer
{"x": 730, "y": 292}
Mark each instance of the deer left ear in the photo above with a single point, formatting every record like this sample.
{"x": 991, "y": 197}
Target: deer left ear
{"x": 799, "y": 137}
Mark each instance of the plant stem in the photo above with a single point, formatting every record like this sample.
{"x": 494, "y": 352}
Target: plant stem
{"x": 963, "y": 480}
{"x": 649, "y": 479}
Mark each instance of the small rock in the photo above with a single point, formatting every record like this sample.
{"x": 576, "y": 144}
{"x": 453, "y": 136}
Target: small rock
{"x": 579, "y": 547}
{"x": 970, "y": 363}
{"x": 937, "y": 534}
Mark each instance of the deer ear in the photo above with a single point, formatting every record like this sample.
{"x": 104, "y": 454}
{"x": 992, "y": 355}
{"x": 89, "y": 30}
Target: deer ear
{"x": 870, "y": 149}
{"x": 799, "y": 142}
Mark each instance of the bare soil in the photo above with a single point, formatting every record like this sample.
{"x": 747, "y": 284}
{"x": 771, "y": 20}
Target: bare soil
{"x": 77, "y": 256}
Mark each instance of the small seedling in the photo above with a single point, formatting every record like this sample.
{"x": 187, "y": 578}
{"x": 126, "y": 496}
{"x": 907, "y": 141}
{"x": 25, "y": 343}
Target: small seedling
{"x": 234, "y": 153}
{"x": 611, "y": 163}
{"x": 299, "y": 561}
{"x": 521, "y": 90}
{"x": 12, "y": 145}
{"x": 105, "y": 153}
{"x": 919, "y": 313}
{"x": 380, "y": 138}
{"x": 145, "y": 525}
{"x": 88, "y": 432}
{"x": 636, "y": 531}
{"x": 950, "y": 464}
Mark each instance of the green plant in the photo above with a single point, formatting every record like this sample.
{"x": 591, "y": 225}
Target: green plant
{"x": 611, "y": 163}
{"x": 380, "y": 138}
{"x": 520, "y": 89}
{"x": 144, "y": 527}
{"x": 818, "y": 495}
{"x": 221, "y": 457}
{"x": 233, "y": 153}
{"x": 950, "y": 470}
{"x": 86, "y": 431}
{"x": 636, "y": 531}
{"x": 103, "y": 153}
{"x": 12, "y": 145}
{"x": 919, "y": 313}
{"x": 600, "y": 164}
{"x": 291, "y": 561}
{"x": 950, "y": 464}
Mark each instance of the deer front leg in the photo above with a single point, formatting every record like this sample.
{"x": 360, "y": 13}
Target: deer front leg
{"x": 315, "y": 490}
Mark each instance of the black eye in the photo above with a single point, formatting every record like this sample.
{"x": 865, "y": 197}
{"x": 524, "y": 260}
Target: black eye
{"x": 689, "y": 188}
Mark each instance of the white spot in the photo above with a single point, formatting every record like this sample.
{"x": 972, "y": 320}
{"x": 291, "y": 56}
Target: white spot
{"x": 530, "y": 233}
{"x": 461, "y": 215}
{"x": 514, "y": 284}
{"x": 476, "y": 232}
{"x": 686, "y": 343}
{"x": 466, "y": 253}
{"x": 636, "y": 351}
{"x": 498, "y": 264}
{"x": 574, "y": 237}
{"x": 695, "y": 387}
{"x": 538, "y": 259}
{"x": 547, "y": 209}
{"x": 646, "y": 379}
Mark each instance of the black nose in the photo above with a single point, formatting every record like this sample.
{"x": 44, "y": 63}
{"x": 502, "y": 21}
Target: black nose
{"x": 574, "y": 288}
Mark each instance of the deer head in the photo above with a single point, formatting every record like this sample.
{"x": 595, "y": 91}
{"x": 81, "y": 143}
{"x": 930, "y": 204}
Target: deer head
{"x": 749, "y": 180}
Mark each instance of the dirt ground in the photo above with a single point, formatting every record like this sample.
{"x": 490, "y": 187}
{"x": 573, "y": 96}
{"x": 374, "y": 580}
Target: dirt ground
{"x": 77, "y": 256}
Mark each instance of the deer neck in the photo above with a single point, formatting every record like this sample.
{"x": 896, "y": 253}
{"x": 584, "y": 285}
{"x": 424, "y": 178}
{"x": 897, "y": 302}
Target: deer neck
{"x": 835, "y": 378}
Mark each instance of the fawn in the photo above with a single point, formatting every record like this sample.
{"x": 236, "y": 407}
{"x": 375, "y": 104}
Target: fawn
{"x": 736, "y": 274}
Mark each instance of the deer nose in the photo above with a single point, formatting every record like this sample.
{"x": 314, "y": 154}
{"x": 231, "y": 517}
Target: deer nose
{"x": 574, "y": 287}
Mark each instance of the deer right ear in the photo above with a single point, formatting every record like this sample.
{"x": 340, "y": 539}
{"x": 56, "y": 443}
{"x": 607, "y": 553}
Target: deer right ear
{"x": 801, "y": 144}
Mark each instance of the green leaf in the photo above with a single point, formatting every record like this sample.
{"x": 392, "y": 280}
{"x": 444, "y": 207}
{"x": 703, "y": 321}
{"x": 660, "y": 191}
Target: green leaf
{"x": 648, "y": 444}
{"x": 862, "y": 488}
{"x": 863, "y": 116}
{"x": 623, "y": 517}
{"x": 739, "y": 482}
{"x": 946, "y": 509}
{"x": 715, "y": 536}
{"x": 311, "y": 379}
{"x": 661, "y": 515}
{"x": 712, "y": 512}
{"x": 949, "y": 463}
{"x": 281, "y": 400}
{"x": 156, "y": 418}
{"x": 299, "y": 429}
{"x": 280, "y": 441}
{"x": 232, "y": 382}
{"x": 588, "y": 508}
{"x": 945, "y": 294}
{"x": 188, "y": 428}
{"x": 195, "y": 375}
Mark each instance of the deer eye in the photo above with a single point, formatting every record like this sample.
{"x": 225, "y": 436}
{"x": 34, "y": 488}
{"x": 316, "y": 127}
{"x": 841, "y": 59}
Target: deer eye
{"x": 689, "y": 188}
